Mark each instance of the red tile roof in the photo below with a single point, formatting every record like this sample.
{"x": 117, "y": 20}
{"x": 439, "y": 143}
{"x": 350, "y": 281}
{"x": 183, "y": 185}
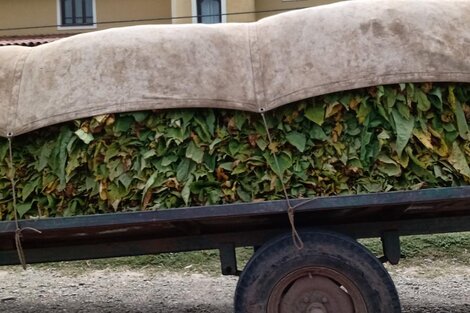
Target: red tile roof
{"x": 30, "y": 41}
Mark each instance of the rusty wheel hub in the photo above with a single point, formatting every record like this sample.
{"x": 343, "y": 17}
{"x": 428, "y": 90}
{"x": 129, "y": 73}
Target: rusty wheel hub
{"x": 316, "y": 290}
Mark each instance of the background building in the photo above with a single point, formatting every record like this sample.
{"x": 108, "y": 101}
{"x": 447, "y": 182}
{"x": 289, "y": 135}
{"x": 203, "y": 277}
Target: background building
{"x": 32, "y": 22}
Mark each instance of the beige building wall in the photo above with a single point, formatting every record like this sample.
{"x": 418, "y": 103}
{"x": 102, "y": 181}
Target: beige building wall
{"x": 181, "y": 8}
{"x": 154, "y": 11}
{"x": 237, "y": 6}
{"x": 19, "y": 14}
{"x": 24, "y": 13}
{"x": 266, "y": 5}
{"x": 33, "y": 13}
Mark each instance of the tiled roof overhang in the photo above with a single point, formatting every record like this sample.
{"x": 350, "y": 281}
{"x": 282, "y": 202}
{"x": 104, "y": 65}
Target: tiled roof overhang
{"x": 29, "y": 41}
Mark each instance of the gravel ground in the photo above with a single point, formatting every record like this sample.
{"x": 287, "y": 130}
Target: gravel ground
{"x": 427, "y": 288}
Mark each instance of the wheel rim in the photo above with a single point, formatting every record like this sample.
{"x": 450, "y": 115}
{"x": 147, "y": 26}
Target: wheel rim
{"x": 316, "y": 290}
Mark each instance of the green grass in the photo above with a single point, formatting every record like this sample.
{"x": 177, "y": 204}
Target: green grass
{"x": 199, "y": 261}
{"x": 415, "y": 249}
{"x": 455, "y": 247}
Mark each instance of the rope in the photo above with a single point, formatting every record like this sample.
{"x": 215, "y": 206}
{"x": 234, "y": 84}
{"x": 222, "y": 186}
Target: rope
{"x": 299, "y": 244}
{"x": 19, "y": 230}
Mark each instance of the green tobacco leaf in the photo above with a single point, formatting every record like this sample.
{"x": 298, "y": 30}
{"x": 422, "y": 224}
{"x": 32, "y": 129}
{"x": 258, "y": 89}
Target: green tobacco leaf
{"x": 315, "y": 112}
{"x": 261, "y": 143}
{"x": 210, "y": 121}
{"x": 149, "y": 154}
{"x": 194, "y": 152}
{"x": 240, "y": 120}
{"x": 364, "y": 110}
{"x": 125, "y": 179}
{"x": 186, "y": 116}
{"x": 3, "y": 150}
{"x": 140, "y": 116}
{"x": 391, "y": 97}
{"x": 204, "y": 129}
{"x": 186, "y": 192}
{"x": 436, "y": 98}
{"x": 365, "y": 140}
{"x": 72, "y": 207}
{"x": 316, "y": 132}
{"x": 168, "y": 159}
{"x": 244, "y": 196}
{"x": 44, "y": 155}
{"x": 284, "y": 161}
{"x": 228, "y": 166}
{"x": 159, "y": 158}
{"x": 115, "y": 169}
{"x": 404, "y": 128}
{"x": 423, "y": 102}
{"x": 404, "y": 110}
{"x": 389, "y": 166}
{"x": 29, "y": 188}
{"x": 116, "y": 193}
{"x": 23, "y": 208}
{"x": 346, "y": 99}
{"x": 148, "y": 184}
{"x": 123, "y": 124}
{"x": 182, "y": 171}
{"x": 297, "y": 139}
{"x": 58, "y": 157}
{"x": 234, "y": 147}
{"x": 461, "y": 121}
{"x": 239, "y": 169}
{"x": 214, "y": 144}
{"x": 209, "y": 162}
{"x": 112, "y": 151}
{"x": 175, "y": 135}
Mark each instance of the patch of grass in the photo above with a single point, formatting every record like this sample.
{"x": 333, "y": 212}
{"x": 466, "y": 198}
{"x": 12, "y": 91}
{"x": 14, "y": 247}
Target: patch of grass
{"x": 455, "y": 247}
{"x": 198, "y": 261}
{"x": 415, "y": 249}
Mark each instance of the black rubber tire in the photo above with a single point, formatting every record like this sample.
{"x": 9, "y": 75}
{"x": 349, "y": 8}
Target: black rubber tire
{"x": 279, "y": 257}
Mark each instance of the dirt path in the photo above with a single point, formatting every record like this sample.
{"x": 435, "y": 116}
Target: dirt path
{"x": 435, "y": 288}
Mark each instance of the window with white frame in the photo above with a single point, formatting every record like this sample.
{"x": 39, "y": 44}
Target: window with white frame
{"x": 77, "y": 13}
{"x": 209, "y": 11}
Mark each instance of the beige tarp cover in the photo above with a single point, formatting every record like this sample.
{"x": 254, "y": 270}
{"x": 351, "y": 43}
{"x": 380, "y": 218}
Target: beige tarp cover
{"x": 253, "y": 67}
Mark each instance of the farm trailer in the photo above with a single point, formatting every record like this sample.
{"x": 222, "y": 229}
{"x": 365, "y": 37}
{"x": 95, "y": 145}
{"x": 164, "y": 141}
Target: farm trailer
{"x": 278, "y": 275}
{"x": 254, "y": 67}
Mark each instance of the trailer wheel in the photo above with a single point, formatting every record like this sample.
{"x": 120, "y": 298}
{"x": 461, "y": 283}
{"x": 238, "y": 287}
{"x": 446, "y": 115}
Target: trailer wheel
{"x": 331, "y": 274}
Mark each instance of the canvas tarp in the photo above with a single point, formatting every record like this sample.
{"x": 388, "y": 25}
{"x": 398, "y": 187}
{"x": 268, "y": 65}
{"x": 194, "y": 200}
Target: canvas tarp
{"x": 253, "y": 67}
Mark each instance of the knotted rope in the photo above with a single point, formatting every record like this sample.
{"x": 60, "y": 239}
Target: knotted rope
{"x": 299, "y": 244}
{"x": 19, "y": 230}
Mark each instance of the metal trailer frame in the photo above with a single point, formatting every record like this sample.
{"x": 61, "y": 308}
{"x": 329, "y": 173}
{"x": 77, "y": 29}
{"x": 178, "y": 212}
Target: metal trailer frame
{"x": 225, "y": 227}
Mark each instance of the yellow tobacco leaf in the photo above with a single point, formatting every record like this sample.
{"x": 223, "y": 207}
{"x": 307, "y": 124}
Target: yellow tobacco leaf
{"x": 333, "y": 109}
{"x": 424, "y": 138}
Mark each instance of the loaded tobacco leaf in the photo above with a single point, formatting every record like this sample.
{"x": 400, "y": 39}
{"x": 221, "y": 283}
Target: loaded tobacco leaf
{"x": 394, "y": 137}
